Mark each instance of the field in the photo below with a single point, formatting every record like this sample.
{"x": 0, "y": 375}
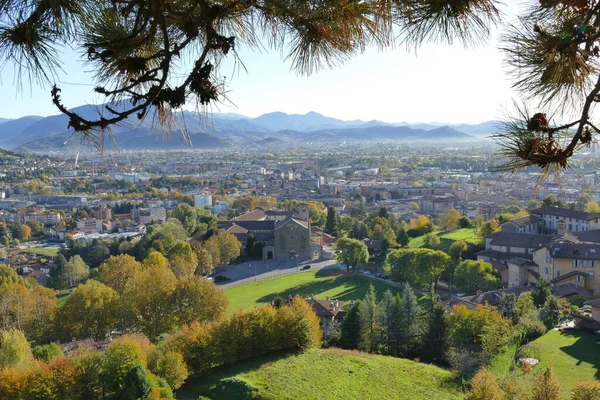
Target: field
{"x": 572, "y": 354}
{"x": 326, "y": 374}
{"x": 447, "y": 238}
{"x": 42, "y": 251}
{"x": 338, "y": 285}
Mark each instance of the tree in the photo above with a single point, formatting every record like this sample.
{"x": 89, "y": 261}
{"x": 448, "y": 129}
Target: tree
{"x": 118, "y": 271}
{"x": 546, "y": 386}
{"x": 17, "y": 231}
{"x": 350, "y": 337}
{"x": 359, "y": 231}
{"x": 75, "y": 271}
{"x": 5, "y": 241}
{"x": 332, "y": 226}
{"x": 171, "y": 366}
{"x": 47, "y": 352}
{"x": 432, "y": 240}
{"x": 465, "y": 222}
{"x": 488, "y": 227}
{"x": 368, "y": 317}
{"x": 26, "y": 232}
{"x": 150, "y": 296}
{"x": 198, "y": 299}
{"x": 205, "y": 262}
{"x": 90, "y": 311}
{"x": 554, "y": 309}
{"x": 214, "y": 251}
{"x": 449, "y": 220}
{"x": 228, "y": 244}
{"x": 402, "y": 238}
{"x": 187, "y": 215}
{"x": 36, "y": 228}
{"x": 586, "y": 390}
{"x": 418, "y": 267}
{"x": 455, "y": 252}
{"x": 434, "y": 339}
{"x": 388, "y": 242}
{"x": 484, "y": 386}
{"x": 541, "y": 293}
{"x": 183, "y": 260}
{"x": 14, "y": 349}
{"x": 525, "y": 303}
{"x": 409, "y": 331}
{"x": 350, "y": 252}
{"x": 471, "y": 276}
{"x": 377, "y": 227}
{"x": 508, "y": 306}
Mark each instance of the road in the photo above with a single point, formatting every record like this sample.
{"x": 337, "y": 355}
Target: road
{"x": 263, "y": 269}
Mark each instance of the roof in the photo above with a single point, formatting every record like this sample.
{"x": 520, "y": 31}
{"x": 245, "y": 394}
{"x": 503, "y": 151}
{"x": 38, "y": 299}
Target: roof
{"x": 526, "y": 240}
{"x": 569, "y": 275}
{"x": 588, "y": 236}
{"x": 502, "y": 256}
{"x": 235, "y": 228}
{"x": 593, "y": 303}
{"x": 254, "y": 215}
{"x": 569, "y": 289}
{"x": 522, "y": 262}
{"x": 256, "y": 225}
{"x": 286, "y": 221}
{"x": 565, "y": 213}
{"x": 326, "y": 308}
{"x": 498, "y": 266}
{"x": 588, "y": 251}
{"x": 525, "y": 220}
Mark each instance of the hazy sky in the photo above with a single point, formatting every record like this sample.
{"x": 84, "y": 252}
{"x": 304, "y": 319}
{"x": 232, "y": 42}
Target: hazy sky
{"x": 438, "y": 83}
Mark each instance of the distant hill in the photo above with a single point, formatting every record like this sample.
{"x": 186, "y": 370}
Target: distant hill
{"x": 11, "y": 129}
{"x": 326, "y": 374}
{"x": 3, "y": 120}
{"x": 34, "y": 133}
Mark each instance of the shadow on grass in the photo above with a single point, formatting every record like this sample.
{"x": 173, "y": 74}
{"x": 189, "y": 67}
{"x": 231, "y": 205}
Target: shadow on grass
{"x": 584, "y": 349}
{"x": 351, "y": 287}
{"x": 221, "y": 383}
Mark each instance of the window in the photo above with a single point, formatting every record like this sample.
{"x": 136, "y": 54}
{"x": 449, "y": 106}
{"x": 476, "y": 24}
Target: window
{"x": 575, "y": 263}
{"x": 592, "y": 275}
{"x": 579, "y": 279}
{"x": 546, "y": 269}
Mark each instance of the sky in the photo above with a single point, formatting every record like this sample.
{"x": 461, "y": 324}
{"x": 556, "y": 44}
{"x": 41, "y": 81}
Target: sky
{"x": 438, "y": 83}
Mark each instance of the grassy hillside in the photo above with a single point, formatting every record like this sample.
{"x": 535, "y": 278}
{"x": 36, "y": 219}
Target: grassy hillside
{"x": 447, "y": 238}
{"x": 333, "y": 283}
{"x": 572, "y": 354}
{"x": 326, "y": 374}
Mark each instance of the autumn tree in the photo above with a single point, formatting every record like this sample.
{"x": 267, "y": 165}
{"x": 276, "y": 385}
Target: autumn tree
{"x": 484, "y": 386}
{"x": 90, "y": 311}
{"x": 449, "y": 220}
{"x": 118, "y": 271}
{"x": 150, "y": 296}
{"x": 205, "y": 262}
{"x": 182, "y": 259}
{"x": 488, "y": 228}
{"x": 198, "y": 299}
{"x": 417, "y": 266}
{"x": 546, "y": 386}
{"x": 14, "y": 348}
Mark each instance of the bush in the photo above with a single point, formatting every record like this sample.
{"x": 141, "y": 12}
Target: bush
{"x": 484, "y": 386}
{"x": 47, "y": 352}
{"x": 530, "y": 326}
{"x": 586, "y": 390}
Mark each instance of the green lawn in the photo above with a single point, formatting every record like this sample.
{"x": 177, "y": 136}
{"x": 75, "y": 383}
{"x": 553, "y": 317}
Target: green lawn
{"x": 447, "y": 238}
{"x": 42, "y": 251}
{"x": 341, "y": 286}
{"x": 572, "y": 354}
{"x": 326, "y": 374}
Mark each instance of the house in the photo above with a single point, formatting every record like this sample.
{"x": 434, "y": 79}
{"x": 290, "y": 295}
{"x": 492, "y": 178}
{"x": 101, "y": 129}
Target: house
{"x": 328, "y": 311}
{"x": 589, "y": 318}
{"x": 504, "y": 246}
{"x": 493, "y": 297}
{"x": 563, "y": 261}
{"x": 527, "y": 224}
{"x": 575, "y": 221}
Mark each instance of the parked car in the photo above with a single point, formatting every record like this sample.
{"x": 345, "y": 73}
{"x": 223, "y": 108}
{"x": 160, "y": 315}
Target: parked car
{"x": 306, "y": 267}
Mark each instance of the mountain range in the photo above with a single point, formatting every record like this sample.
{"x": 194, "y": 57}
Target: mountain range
{"x": 35, "y": 133}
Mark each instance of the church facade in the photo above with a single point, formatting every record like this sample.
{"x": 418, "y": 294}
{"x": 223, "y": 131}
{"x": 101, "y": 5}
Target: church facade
{"x": 283, "y": 235}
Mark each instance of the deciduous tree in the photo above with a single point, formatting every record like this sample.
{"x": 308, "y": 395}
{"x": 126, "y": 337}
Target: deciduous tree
{"x": 350, "y": 252}
{"x": 471, "y": 276}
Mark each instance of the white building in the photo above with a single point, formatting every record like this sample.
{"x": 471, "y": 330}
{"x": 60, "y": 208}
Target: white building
{"x": 203, "y": 200}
